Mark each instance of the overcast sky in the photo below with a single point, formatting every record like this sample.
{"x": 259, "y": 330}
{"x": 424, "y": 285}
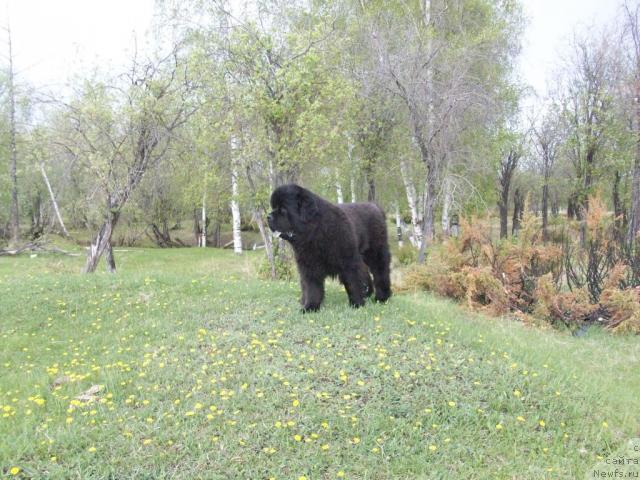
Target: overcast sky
{"x": 55, "y": 38}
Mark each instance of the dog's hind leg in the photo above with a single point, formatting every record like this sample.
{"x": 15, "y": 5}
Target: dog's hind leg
{"x": 379, "y": 264}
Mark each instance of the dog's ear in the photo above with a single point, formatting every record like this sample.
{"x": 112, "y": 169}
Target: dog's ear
{"x": 307, "y": 206}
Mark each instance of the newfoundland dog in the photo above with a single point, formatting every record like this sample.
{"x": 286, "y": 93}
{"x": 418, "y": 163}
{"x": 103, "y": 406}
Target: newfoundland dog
{"x": 347, "y": 240}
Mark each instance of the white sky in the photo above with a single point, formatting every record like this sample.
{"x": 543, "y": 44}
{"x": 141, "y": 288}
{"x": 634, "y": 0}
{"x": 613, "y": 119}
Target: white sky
{"x": 551, "y": 24}
{"x": 53, "y": 39}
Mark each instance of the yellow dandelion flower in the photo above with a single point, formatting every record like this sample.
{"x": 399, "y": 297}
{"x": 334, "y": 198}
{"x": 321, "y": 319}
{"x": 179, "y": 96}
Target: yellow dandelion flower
{"x": 355, "y": 440}
{"x": 451, "y": 404}
{"x": 520, "y": 418}
{"x": 517, "y": 393}
{"x": 92, "y": 449}
{"x": 433, "y": 448}
{"x": 605, "y": 424}
{"x": 295, "y": 403}
{"x": 541, "y": 423}
{"x": 499, "y": 426}
{"x": 340, "y": 474}
{"x": 297, "y": 438}
{"x": 14, "y": 470}
{"x": 325, "y": 447}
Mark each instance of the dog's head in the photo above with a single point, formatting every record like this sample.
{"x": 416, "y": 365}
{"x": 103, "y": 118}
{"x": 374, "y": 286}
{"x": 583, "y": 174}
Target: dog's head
{"x": 295, "y": 209}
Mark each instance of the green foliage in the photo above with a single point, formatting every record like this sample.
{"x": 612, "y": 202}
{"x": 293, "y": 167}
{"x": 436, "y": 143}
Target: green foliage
{"x": 407, "y": 254}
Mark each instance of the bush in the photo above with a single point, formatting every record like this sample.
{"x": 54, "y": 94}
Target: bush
{"x": 283, "y": 263}
{"x": 560, "y": 284}
{"x": 407, "y": 254}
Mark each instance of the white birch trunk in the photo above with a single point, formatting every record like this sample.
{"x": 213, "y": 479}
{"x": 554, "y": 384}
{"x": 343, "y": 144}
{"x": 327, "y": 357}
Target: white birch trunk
{"x": 352, "y": 185}
{"x": 447, "y": 199}
{"x": 412, "y": 200}
{"x": 235, "y": 210}
{"x": 53, "y": 200}
{"x": 399, "y": 226}
{"x": 203, "y": 230}
{"x": 339, "y": 192}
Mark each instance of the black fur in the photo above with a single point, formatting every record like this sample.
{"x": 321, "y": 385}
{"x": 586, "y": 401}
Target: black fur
{"x": 347, "y": 240}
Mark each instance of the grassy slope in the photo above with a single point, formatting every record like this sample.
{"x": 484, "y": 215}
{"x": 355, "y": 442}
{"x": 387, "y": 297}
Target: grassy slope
{"x": 210, "y": 373}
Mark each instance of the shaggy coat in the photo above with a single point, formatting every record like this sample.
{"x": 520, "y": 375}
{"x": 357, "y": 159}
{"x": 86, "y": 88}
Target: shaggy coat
{"x": 347, "y": 241}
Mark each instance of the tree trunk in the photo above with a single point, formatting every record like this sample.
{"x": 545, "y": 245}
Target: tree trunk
{"x": 235, "y": 211}
{"x": 571, "y": 206}
{"x": 102, "y": 243}
{"x": 412, "y": 200}
{"x": 352, "y": 185}
{"x": 53, "y": 200}
{"x": 110, "y": 259}
{"x": 399, "y": 226}
{"x": 428, "y": 219}
{"x": 15, "y": 218}
{"x": 545, "y": 209}
{"x": 618, "y": 210}
{"x": 268, "y": 245}
{"x": 447, "y": 199}
{"x": 339, "y": 193}
{"x": 555, "y": 207}
{"x": 371, "y": 184}
{"x": 518, "y": 209}
{"x": 504, "y": 227}
{"x": 203, "y": 219}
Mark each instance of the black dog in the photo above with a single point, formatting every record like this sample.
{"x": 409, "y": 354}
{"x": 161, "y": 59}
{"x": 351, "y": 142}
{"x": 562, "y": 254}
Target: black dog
{"x": 346, "y": 240}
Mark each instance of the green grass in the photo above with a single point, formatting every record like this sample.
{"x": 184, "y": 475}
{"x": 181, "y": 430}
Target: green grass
{"x": 207, "y": 372}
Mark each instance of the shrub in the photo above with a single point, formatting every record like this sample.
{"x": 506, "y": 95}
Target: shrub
{"x": 283, "y": 264}
{"x": 407, "y": 254}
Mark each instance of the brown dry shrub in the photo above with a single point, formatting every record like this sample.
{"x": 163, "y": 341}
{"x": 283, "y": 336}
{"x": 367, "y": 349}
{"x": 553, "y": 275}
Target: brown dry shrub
{"x": 622, "y": 305}
{"x": 570, "y": 308}
{"x": 484, "y": 291}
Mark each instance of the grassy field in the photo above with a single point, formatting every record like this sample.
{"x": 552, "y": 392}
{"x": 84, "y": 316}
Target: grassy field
{"x": 199, "y": 370}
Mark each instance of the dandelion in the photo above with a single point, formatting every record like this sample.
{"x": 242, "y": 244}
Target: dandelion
{"x": 325, "y": 447}
{"x": 433, "y": 448}
{"x": 297, "y": 438}
{"x": 340, "y": 474}
{"x": 451, "y": 404}
{"x": 499, "y": 426}
{"x": 605, "y": 424}
{"x": 14, "y": 470}
{"x": 92, "y": 449}
{"x": 355, "y": 440}
{"x": 541, "y": 423}
{"x": 517, "y": 393}
{"x": 295, "y": 402}
{"x": 520, "y": 418}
